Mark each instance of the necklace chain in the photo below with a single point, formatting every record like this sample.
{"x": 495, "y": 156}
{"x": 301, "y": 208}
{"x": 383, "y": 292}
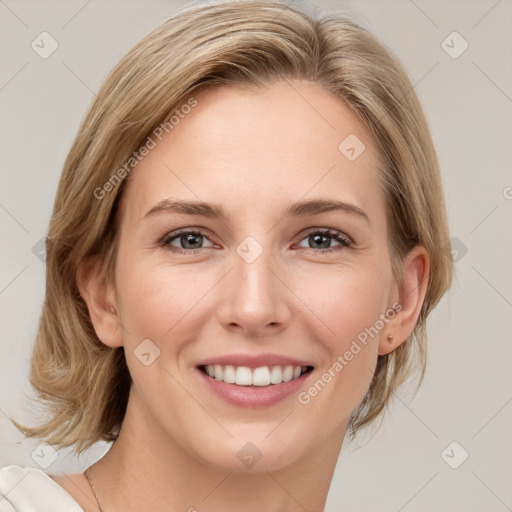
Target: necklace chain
{"x": 86, "y": 474}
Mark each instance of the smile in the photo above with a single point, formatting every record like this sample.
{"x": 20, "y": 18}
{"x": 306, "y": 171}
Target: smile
{"x": 261, "y": 376}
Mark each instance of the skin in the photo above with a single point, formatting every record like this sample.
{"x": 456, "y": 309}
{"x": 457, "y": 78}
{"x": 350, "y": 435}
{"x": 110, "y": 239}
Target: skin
{"x": 253, "y": 153}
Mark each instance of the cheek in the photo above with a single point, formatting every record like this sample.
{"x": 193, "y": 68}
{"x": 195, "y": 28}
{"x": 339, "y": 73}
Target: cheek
{"x": 150, "y": 302}
{"x": 345, "y": 302}
{"x": 160, "y": 304}
{"x": 158, "y": 301}
{"x": 349, "y": 306}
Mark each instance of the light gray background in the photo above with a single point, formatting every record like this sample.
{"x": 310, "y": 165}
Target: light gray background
{"x": 467, "y": 393}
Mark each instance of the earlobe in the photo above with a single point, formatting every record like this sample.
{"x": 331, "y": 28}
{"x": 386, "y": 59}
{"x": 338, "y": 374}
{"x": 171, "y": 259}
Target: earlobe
{"x": 99, "y": 296}
{"x": 411, "y": 294}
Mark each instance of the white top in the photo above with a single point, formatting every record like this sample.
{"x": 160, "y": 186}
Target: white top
{"x": 31, "y": 490}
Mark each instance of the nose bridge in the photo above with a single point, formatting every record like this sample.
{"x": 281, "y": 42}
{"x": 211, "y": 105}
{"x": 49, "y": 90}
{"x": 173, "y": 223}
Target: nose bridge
{"x": 255, "y": 299}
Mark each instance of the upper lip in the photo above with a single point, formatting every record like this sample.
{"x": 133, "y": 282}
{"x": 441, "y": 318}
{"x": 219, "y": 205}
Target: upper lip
{"x": 254, "y": 360}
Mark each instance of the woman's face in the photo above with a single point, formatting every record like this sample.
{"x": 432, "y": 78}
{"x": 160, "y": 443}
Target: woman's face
{"x": 260, "y": 287}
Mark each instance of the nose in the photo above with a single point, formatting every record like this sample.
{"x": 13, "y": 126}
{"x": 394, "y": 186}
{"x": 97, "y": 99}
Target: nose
{"x": 255, "y": 300}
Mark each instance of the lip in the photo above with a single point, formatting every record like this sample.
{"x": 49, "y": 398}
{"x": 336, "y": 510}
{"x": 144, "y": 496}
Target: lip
{"x": 254, "y": 396}
{"x": 254, "y": 360}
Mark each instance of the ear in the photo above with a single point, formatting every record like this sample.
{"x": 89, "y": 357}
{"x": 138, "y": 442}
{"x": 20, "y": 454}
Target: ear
{"x": 99, "y": 295}
{"x": 410, "y": 295}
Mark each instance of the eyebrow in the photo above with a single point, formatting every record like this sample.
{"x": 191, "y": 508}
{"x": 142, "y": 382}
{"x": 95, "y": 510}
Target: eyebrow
{"x": 188, "y": 208}
{"x": 300, "y": 209}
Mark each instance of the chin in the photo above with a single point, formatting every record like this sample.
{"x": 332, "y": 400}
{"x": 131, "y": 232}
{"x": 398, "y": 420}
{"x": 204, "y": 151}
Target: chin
{"x": 250, "y": 459}
{"x": 251, "y": 454}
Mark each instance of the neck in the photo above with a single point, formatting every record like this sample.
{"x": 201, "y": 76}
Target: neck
{"x": 146, "y": 467}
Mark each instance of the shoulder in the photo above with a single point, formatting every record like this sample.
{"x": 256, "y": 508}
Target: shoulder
{"x": 26, "y": 489}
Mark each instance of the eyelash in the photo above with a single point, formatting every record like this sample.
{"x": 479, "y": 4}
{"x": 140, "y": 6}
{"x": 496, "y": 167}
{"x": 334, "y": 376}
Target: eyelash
{"x": 343, "y": 239}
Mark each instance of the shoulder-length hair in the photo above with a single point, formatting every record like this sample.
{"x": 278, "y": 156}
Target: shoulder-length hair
{"x": 250, "y": 43}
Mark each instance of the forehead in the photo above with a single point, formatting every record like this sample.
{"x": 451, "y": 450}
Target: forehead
{"x": 277, "y": 145}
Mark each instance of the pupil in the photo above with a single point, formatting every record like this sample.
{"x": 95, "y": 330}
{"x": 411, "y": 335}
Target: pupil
{"x": 318, "y": 239}
{"x": 190, "y": 238}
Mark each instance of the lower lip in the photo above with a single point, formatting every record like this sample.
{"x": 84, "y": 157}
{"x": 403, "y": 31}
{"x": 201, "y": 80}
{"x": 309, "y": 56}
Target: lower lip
{"x": 254, "y": 396}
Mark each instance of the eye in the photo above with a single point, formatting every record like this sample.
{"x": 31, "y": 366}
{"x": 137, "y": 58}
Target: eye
{"x": 323, "y": 238}
{"x": 192, "y": 241}
{"x": 185, "y": 241}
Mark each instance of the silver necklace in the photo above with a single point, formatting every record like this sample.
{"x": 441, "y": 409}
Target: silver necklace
{"x": 86, "y": 474}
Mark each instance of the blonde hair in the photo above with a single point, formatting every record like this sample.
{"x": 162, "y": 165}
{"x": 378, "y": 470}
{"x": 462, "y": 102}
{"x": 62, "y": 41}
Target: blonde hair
{"x": 85, "y": 384}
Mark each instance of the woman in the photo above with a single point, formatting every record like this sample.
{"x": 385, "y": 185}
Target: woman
{"x": 247, "y": 239}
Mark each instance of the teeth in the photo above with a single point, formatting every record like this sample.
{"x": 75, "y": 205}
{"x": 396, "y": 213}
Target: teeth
{"x": 261, "y": 376}
{"x": 276, "y": 375}
{"x": 243, "y": 376}
{"x": 229, "y": 375}
{"x": 288, "y": 373}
